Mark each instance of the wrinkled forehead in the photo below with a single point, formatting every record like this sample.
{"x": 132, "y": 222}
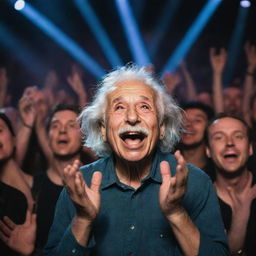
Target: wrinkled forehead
{"x": 132, "y": 88}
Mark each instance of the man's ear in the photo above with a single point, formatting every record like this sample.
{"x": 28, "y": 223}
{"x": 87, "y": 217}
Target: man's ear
{"x": 208, "y": 153}
{"x": 162, "y": 131}
{"x": 103, "y": 131}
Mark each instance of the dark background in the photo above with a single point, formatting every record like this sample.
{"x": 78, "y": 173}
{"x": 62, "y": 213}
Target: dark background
{"x": 63, "y": 13}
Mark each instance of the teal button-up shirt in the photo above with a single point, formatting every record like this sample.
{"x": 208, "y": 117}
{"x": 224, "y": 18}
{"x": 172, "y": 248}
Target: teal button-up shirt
{"x": 130, "y": 222}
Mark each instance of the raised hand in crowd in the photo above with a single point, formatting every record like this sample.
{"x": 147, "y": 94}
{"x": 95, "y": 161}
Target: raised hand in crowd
{"x": 171, "y": 80}
{"x": 76, "y": 83}
{"x": 218, "y": 62}
{"x": 240, "y": 203}
{"x": 190, "y": 85}
{"x": 20, "y": 238}
{"x": 249, "y": 90}
{"x": 27, "y": 113}
{"x": 33, "y": 110}
{"x": 50, "y": 87}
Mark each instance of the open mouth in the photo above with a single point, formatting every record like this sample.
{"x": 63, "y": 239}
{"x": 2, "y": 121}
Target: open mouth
{"x": 62, "y": 142}
{"x": 133, "y": 136}
{"x": 230, "y": 156}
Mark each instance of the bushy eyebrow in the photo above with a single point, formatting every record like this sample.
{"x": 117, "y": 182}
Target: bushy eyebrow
{"x": 121, "y": 97}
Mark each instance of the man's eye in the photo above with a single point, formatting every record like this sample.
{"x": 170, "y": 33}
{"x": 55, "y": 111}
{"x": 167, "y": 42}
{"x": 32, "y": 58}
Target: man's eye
{"x": 119, "y": 107}
{"x": 218, "y": 137}
{"x": 145, "y": 106}
{"x": 72, "y": 125}
{"x": 240, "y": 137}
{"x": 54, "y": 126}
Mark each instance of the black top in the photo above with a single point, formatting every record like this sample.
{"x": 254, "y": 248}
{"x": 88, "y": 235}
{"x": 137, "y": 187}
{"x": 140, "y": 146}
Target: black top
{"x": 46, "y": 194}
{"x": 250, "y": 240}
{"x": 13, "y": 204}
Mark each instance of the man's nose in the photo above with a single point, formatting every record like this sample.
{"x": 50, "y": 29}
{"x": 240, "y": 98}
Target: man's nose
{"x": 132, "y": 116}
{"x": 187, "y": 123}
{"x": 63, "y": 129}
{"x": 230, "y": 141}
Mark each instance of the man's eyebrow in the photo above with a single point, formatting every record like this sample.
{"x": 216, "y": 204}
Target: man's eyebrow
{"x": 58, "y": 121}
{"x": 121, "y": 97}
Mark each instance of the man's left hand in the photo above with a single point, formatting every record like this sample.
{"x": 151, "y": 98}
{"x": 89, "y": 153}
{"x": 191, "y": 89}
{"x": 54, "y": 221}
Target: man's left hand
{"x": 173, "y": 188}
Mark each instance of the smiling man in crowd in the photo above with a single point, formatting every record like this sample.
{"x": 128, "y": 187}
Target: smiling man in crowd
{"x": 138, "y": 199}
{"x": 229, "y": 146}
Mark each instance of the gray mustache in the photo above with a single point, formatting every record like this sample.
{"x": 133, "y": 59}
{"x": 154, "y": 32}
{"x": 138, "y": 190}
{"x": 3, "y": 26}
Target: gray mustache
{"x": 138, "y": 129}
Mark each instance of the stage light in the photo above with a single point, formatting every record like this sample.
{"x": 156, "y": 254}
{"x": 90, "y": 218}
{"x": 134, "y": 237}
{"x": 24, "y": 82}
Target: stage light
{"x": 245, "y": 3}
{"x": 131, "y": 29}
{"x": 63, "y": 40}
{"x": 164, "y": 21}
{"x": 191, "y": 36}
{"x": 91, "y": 19}
{"x": 19, "y": 5}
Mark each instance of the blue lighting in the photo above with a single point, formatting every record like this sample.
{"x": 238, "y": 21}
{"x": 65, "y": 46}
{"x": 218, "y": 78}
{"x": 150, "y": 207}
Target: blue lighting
{"x": 63, "y": 40}
{"x": 235, "y": 44}
{"x": 162, "y": 25}
{"x": 25, "y": 55}
{"x": 132, "y": 33}
{"x": 19, "y": 5}
{"x": 245, "y": 3}
{"x": 191, "y": 35}
{"x": 99, "y": 32}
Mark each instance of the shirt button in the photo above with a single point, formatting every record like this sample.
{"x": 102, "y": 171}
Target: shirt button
{"x": 132, "y": 227}
{"x": 74, "y": 251}
{"x": 161, "y": 235}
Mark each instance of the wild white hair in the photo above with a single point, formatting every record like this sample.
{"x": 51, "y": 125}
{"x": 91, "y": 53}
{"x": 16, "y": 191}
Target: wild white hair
{"x": 93, "y": 115}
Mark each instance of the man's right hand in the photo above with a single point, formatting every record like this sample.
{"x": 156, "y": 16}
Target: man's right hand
{"x": 86, "y": 199}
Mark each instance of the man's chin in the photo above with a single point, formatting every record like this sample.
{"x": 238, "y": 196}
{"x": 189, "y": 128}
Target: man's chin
{"x": 66, "y": 156}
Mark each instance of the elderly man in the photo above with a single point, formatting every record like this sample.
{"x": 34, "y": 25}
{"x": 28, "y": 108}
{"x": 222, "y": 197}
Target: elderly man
{"x": 128, "y": 202}
{"x": 229, "y": 146}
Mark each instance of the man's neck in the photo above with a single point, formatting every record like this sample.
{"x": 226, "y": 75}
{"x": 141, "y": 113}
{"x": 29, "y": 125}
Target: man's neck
{"x": 196, "y": 155}
{"x": 56, "y": 168}
{"x": 130, "y": 173}
{"x": 237, "y": 182}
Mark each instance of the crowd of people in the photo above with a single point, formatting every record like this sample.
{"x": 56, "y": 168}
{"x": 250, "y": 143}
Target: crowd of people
{"x": 164, "y": 171}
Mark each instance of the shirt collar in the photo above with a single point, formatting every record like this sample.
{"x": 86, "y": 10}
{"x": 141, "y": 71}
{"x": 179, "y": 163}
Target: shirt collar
{"x": 109, "y": 178}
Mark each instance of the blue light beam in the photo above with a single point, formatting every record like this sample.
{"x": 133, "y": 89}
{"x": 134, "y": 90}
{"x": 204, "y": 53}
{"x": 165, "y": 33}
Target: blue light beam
{"x": 132, "y": 33}
{"x": 191, "y": 35}
{"x": 162, "y": 25}
{"x": 91, "y": 19}
{"x": 234, "y": 47}
{"x": 25, "y": 55}
{"x": 63, "y": 40}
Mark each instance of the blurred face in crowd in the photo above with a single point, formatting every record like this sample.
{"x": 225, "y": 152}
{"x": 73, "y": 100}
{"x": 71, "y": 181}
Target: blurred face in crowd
{"x": 229, "y": 146}
{"x": 206, "y": 98}
{"x": 131, "y": 123}
{"x": 64, "y": 134}
{"x": 7, "y": 142}
{"x": 233, "y": 100}
{"x": 195, "y": 124}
